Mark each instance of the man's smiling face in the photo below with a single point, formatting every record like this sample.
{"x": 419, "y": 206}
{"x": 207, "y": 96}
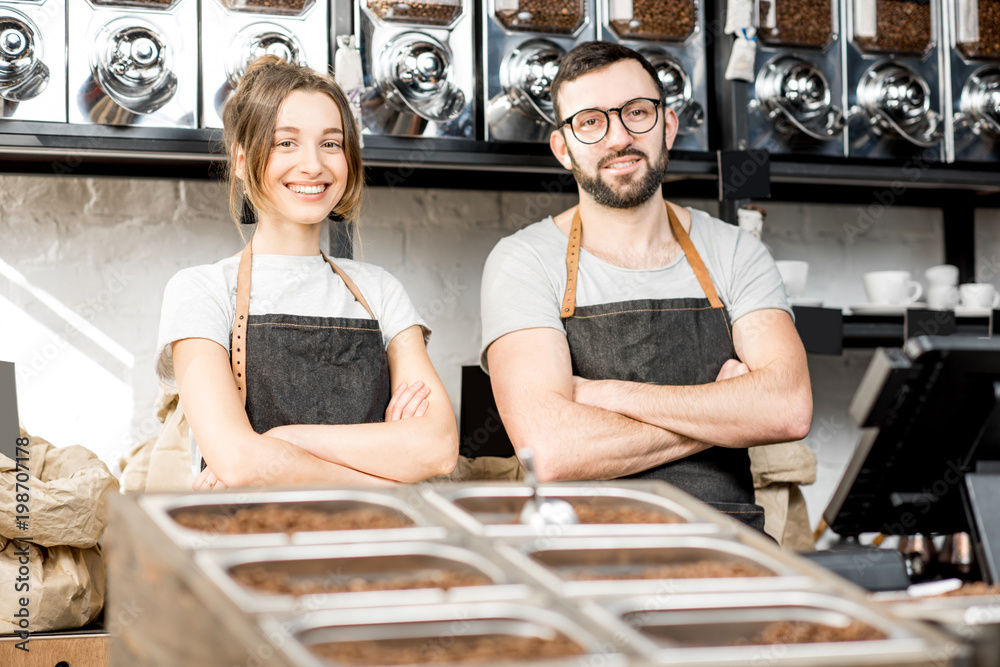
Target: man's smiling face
{"x": 622, "y": 170}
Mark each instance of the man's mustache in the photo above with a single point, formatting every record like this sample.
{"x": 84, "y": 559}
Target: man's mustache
{"x": 625, "y": 152}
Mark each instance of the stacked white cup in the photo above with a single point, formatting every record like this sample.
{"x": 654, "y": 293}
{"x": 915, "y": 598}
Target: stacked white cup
{"x": 942, "y": 287}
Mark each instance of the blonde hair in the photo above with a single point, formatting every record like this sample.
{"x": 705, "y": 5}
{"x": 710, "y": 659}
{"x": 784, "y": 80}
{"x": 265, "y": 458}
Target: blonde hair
{"x": 248, "y": 122}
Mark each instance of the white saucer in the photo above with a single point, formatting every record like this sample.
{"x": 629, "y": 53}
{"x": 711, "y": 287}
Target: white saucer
{"x": 884, "y": 308}
{"x": 805, "y": 301}
{"x": 971, "y": 311}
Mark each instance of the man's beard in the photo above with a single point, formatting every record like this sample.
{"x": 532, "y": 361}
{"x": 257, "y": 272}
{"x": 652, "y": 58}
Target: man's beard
{"x": 630, "y": 194}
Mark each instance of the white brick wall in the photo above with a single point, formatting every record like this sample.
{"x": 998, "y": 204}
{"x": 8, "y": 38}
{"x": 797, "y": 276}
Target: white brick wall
{"x": 83, "y": 263}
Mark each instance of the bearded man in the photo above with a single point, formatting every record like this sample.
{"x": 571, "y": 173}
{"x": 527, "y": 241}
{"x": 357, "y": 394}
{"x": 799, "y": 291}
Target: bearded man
{"x": 629, "y": 336}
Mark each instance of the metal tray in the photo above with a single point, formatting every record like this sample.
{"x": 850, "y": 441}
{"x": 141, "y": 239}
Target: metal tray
{"x": 972, "y": 619}
{"x": 493, "y": 509}
{"x": 340, "y": 563}
{"x": 713, "y": 622}
{"x": 436, "y": 626}
{"x": 162, "y": 508}
{"x": 553, "y": 560}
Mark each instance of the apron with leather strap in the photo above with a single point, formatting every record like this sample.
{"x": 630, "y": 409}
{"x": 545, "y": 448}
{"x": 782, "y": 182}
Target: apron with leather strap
{"x": 298, "y": 369}
{"x": 667, "y": 342}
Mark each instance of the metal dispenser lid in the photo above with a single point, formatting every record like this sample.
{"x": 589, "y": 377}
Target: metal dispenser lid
{"x": 22, "y": 73}
{"x": 527, "y": 72}
{"x": 981, "y": 101}
{"x": 132, "y": 64}
{"x": 898, "y": 99}
{"x": 796, "y": 95}
{"x": 413, "y": 71}
{"x": 260, "y": 39}
{"x": 677, "y": 89}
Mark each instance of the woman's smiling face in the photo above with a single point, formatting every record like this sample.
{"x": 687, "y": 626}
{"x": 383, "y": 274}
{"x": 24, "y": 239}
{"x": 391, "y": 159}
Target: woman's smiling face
{"x": 306, "y": 172}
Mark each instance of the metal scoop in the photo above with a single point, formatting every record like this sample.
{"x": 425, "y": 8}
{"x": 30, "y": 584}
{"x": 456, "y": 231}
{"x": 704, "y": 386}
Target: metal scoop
{"x": 539, "y": 511}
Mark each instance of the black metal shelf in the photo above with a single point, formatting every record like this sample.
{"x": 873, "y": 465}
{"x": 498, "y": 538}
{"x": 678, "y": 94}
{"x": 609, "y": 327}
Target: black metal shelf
{"x": 57, "y": 148}
{"x": 829, "y": 331}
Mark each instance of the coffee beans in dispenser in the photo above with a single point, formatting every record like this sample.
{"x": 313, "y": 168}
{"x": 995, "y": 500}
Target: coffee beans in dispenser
{"x": 33, "y": 60}
{"x": 133, "y": 62}
{"x": 236, "y": 32}
{"x": 797, "y": 100}
{"x": 973, "y": 41}
{"x": 671, "y": 36}
{"x": 894, "y": 85}
{"x": 418, "y": 67}
{"x": 523, "y": 41}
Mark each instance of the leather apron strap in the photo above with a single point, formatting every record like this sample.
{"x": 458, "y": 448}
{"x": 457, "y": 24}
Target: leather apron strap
{"x": 241, "y": 319}
{"x": 573, "y": 262}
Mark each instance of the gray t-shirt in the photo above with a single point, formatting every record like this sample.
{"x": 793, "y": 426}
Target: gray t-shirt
{"x": 200, "y": 302}
{"x": 525, "y": 277}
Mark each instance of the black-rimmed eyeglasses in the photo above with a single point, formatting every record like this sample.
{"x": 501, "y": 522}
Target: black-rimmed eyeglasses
{"x": 638, "y": 116}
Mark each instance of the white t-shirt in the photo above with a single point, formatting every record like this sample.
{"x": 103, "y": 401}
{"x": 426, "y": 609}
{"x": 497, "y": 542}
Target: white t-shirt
{"x": 200, "y": 302}
{"x": 525, "y": 277}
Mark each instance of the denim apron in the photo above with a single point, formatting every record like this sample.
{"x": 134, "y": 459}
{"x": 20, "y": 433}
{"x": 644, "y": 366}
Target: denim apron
{"x": 298, "y": 369}
{"x": 666, "y": 342}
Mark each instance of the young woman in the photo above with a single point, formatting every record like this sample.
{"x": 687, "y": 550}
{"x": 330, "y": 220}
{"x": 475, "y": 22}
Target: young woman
{"x": 293, "y": 369}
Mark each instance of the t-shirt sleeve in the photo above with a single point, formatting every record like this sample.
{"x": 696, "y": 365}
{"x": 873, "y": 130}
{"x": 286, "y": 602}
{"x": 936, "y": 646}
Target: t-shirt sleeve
{"x": 398, "y": 312}
{"x": 756, "y": 283}
{"x": 195, "y": 305}
{"x": 517, "y": 294}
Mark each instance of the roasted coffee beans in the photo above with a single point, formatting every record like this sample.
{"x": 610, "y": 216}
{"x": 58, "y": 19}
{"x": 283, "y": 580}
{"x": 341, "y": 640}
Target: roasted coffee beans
{"x": 415, "y": 11}
{"x": 902, "y": 27}
{"x": 657, "y": 19}
{"x": 798, "y": 23}
{"x": 558, "y": 16}
{"x": 988, "y": 45}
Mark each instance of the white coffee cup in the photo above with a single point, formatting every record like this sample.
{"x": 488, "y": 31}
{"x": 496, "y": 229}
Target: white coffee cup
{"x": 942, "y": 297}
{"x": 979, "y": 295}
{"x": 942, "y": 274}
{"x": 794, "y": 275}
{"x": 892, "y": 288}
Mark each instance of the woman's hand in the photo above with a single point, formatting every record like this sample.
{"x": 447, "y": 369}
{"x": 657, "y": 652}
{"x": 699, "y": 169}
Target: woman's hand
{"x": 207, "y": 481}
{"x": 408, "y": 401}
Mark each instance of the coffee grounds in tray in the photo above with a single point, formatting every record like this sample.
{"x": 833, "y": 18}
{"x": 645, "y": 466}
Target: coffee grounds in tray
{"x": 558, "y": 16}
{"x": 798, "y": 22}
{"x": 267, "y": 580}
{"x": 901, "y": 27}
{"x": 701, "y": 569}
{"x": 281, "y": 519}
{"x": 588, "y": 513}
{"x": 473, "y": 649}
{"x": 975, "y": 588}
{"x": 988, "y": 45}
{"x": 805, "y": 632}
{"x": 415, "y": 11}
{"x": 664, "y": 19}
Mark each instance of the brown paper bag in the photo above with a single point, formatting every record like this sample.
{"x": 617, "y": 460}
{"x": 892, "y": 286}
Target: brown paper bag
{"x": 162, "y": 463}
{"x": 64, "y": 585}
{"x": 778, "y": 471}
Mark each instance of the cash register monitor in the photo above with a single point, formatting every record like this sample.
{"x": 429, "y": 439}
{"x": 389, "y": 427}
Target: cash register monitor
{"x": 930, "y": 417}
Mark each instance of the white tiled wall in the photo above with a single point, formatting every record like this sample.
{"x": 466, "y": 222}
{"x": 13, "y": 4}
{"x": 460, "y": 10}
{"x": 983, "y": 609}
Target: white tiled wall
{"x": 83, "y": 263}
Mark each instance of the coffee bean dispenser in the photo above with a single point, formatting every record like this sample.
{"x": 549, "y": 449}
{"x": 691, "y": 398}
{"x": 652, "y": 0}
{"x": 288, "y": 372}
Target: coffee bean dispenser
{"x": 523, "y": 41}
{"x": 973, "y": 40}
{"x": 33, "y": 60}
{"x": 671, "y": 35}
{"x": 797, "y": 100}
{"x": 894, "y": 79}
{"x": 133, "y": 62}
{"x": 235, "y": 32}
{"x": 418, "y": 67}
